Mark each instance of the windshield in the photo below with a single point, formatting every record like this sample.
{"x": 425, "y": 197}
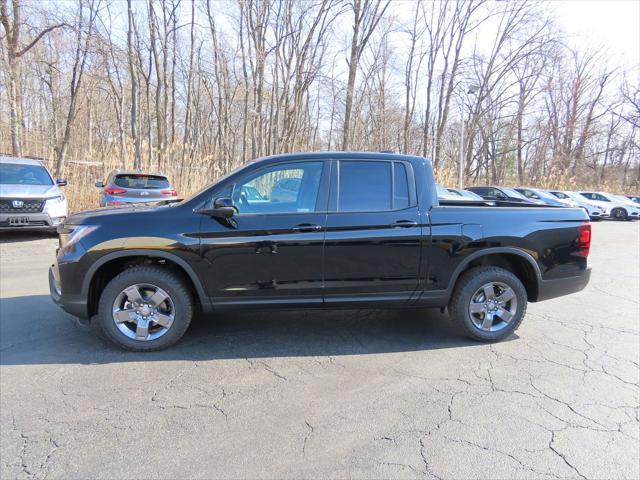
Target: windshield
{"x": 548, "y": 196}
{"x": 442, "y": 192}
{"x": 513, "y": 193}
{"x": 468, "y": 194}
{"x": 575, "y": 196}
{"x": 561, "y": 195}
{"x": 141, "y": 181}
{"x": 19, "y": 174}
{"x": 621, "y": 198}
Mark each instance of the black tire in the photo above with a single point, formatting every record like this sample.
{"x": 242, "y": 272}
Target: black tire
{"x": 619, "y": 214}
{"x": 171, "y": 284}
{"x": 468, "y": 285}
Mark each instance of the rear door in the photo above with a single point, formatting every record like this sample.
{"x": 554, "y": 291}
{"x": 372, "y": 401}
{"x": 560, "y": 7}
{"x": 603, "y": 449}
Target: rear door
{"x": 373, "y": 233}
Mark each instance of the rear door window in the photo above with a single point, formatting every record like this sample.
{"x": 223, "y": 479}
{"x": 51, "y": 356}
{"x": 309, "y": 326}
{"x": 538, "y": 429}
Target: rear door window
{"x": 141, "y": 181}
{"x": 364, "y": 186}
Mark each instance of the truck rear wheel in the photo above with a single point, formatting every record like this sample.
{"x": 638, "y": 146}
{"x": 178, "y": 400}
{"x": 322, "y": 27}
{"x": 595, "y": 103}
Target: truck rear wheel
{"x": 145, "y": 309}
{"x": 488, "y": 303}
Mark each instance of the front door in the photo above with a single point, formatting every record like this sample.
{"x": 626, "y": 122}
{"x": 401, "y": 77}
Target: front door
{"x": 373, "y": 239}
{"x": 270, "y": 251}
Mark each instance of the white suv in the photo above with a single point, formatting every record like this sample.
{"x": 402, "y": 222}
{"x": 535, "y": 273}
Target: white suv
{"x": 29, "y": 197}
{"x": 618, "y": 208}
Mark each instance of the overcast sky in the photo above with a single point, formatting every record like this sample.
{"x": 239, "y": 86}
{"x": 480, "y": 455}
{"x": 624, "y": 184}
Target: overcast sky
{"x": 613, "y": 23}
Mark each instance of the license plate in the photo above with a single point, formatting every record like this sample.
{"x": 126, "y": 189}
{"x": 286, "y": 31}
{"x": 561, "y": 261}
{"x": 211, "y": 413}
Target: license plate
{"x": 18, "y": 221}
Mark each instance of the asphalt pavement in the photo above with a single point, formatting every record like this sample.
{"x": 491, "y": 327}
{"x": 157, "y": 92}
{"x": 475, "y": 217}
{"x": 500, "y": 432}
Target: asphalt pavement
{"x": 347, "y": 394}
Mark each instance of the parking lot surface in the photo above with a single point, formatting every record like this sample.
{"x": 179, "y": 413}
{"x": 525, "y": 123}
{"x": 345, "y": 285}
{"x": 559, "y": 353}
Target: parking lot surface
{"x": 366, "y": 394}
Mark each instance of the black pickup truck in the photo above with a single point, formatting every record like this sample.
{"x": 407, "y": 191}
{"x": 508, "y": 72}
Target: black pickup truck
{"x": 316, "y": 230}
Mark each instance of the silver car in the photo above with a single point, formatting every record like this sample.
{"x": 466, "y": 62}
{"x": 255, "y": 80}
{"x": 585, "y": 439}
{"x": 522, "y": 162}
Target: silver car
{"x": 127, "y": 186}
{"x": 29, "y": 197}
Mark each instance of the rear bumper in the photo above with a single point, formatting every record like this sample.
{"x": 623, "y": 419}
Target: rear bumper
{"x": 558, "y": 287}
{"x": 73, "y": 304}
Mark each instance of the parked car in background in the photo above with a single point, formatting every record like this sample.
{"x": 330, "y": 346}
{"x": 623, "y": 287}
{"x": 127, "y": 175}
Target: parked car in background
{"x": 285, "y": 190}
{"x": 634, "y": 198}
{"x": 465, "y": 194}
{"x": 620, "y": 208}
{"x": 595, "y": 212}
{"x": 504, "y": 194}
{"x": 29, "y": 197}
{"x": 445, "y": 194}
{"x": 547, "y": 198}
{"x": 123, "y": 186}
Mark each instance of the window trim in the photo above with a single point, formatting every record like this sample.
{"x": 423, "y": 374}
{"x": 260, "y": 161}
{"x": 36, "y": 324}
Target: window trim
{"x": 334, "y": 192}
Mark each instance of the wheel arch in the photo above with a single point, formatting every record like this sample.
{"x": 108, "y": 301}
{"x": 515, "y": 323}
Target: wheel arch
{"x": 108, "y": 266}
{"x": 518, "y": 262}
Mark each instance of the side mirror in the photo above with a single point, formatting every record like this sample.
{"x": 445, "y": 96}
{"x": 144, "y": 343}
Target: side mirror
{"x": 100, "y": 184}
{"x": 222, "y": 208}
{"x": 61, "y": 182}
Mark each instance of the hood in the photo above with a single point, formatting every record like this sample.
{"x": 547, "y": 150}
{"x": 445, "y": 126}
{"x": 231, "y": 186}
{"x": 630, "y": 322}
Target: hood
{"x": 28, "y": 191}
{"x": 88, "y": 217}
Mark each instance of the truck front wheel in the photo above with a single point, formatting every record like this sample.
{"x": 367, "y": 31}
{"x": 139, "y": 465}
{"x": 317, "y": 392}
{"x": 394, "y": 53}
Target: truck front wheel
{"x": 145, "y": 308}
{"x": 488, "y": 303}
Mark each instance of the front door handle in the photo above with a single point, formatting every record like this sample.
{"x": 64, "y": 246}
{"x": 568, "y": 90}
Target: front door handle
{"x": 404, "y": 224}
{"x": 307, "y": 227}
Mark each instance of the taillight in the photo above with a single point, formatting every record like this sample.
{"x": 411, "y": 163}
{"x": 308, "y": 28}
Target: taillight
{"x": 171, "y": 192}
{"x": 584, "y": 239}
{"x": 114, "y": 191}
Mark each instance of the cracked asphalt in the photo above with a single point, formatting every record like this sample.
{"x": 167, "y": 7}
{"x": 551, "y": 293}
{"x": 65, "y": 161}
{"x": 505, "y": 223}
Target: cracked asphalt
{"x": 358, "y": 394}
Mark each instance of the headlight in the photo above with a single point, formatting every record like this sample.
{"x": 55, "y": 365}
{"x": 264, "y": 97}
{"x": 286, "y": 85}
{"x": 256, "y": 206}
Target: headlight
{"x": 55, "y": 200}
{"x": 74, "y": 233}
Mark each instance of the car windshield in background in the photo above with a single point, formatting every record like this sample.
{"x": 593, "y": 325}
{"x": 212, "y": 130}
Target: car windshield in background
{"x": 514, "y": 193}
{"x": 442, "y": 192}
{"x": 18, "y": 174}
{"x": 548, "y": 196}
{"x": 145, "y": 182}
{"x": 621, "y": 198}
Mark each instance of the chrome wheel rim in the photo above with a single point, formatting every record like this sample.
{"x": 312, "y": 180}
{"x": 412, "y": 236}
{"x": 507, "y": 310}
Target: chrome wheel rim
{"x": 143, "y": 312}
{"x": 493, "y": 306}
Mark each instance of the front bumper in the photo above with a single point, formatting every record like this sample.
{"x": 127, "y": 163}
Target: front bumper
{"x": 558, "y": 287}
{"x": 35, "y": 221}
{"x": 73, "y": 304}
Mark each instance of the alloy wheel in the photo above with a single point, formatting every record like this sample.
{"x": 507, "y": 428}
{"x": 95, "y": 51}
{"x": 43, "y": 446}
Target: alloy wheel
{"x": 493, "y": 306}
{"x": 143, "y": 312}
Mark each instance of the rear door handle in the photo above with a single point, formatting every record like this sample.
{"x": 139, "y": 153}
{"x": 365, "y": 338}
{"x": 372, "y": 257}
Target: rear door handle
{"x": 404, "y": 224}
{"x": 307, "y": 227}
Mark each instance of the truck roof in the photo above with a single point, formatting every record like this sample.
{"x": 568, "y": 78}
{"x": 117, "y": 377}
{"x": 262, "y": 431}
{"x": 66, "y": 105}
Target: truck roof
{"x": 340, "y": 155}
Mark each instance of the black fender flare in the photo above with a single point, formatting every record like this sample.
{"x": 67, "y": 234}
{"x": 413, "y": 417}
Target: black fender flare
{"x": 494, "y": 251}
{"x": 147, "y": 252}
